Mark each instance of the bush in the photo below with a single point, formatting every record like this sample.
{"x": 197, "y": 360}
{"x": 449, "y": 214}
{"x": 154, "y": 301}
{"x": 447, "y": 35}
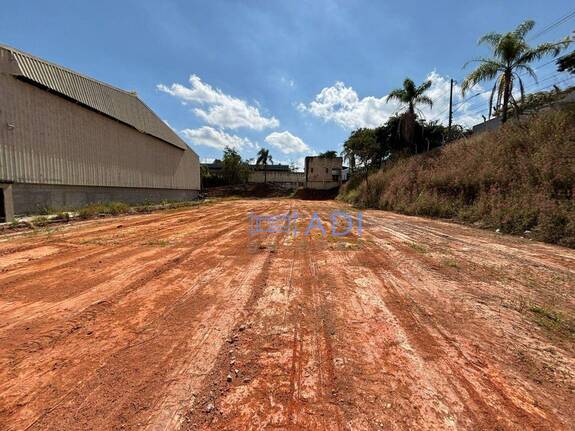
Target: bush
{"x": 517, "y": 178}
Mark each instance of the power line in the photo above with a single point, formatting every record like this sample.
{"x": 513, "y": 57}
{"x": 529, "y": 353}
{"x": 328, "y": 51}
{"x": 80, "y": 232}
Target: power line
{"x": 551, "y": 26}
{"x": 546, "y": 29}
{"x": 536, "y": 90}
{"x": 527, "y": 88}
{"x": 461, "y": 103}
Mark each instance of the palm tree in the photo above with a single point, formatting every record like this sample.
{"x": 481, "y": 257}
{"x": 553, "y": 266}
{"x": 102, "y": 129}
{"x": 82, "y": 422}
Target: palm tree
{"x": 411, "y": 95}
{"x": 263, "y": 158}
{"x": 511, "y": 55}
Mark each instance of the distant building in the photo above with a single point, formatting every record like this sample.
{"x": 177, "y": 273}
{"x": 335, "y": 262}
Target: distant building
{"x": 274, "y": 174}
{"x": 216, "y": 167}
{"x": 282, "y": 178}
{"x": 67, "y": 140}
{"x": 271, "y": 168}
{"x": 323, "y": 173}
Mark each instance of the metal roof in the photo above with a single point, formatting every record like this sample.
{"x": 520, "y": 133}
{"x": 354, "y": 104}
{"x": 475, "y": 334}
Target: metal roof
{"x": 114, "y": 102}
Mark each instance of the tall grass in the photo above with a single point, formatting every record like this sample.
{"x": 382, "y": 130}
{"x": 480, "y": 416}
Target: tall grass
{"x": 518, "y": 178}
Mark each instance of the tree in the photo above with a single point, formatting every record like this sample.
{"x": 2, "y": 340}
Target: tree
{"x": 567, "y": 63}
{"x": 328, "y": 154}
{"x": 361, "y": 146}
{"x": 510, "y": 55}
{"x": 411, "y": 95}
{"x": 263, "y": 158}
{"x": 234, "y": 169}
{"x": 373, "y": 147}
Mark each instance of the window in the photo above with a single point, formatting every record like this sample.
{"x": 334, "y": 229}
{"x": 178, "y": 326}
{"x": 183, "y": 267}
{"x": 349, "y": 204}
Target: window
{"x": 326, "y": 170}
{"x": 311, "y": 170}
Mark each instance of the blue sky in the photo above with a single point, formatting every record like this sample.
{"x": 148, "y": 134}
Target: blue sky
{"x": 293, "y": 76}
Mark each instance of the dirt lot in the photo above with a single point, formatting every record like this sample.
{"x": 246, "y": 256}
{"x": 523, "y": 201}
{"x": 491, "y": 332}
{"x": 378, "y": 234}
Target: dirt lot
{"x": 182, "y": 320}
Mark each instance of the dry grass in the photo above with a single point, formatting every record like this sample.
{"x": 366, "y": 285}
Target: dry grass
{"x": 518, "y": 178}
{"x": 109, "y": 208}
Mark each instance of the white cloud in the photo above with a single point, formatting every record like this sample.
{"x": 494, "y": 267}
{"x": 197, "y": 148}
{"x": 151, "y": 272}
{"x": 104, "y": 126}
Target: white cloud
{"x": 286, "y": 142}
{"x": 467, "y": 113}
{"x": 220, "y": 109}
{"x": 297, "y": 163}
{"x": 342, "y": 105}
{"x": 207, "y": 160}
{"x": 210, "y": 137}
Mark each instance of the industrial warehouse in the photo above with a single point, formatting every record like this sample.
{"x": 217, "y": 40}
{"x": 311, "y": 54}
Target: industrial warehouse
{"x": 67, "y": 140}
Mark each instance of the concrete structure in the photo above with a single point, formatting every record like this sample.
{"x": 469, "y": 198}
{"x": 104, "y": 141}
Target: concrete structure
{"x": 67, "y": 140}
{"x": 323, "y": 173}
{"x": 285, "y": 179}
{"x": 217, "y": 166}
{"x": 275, "y": 174}
{"x": 567, "y": 98}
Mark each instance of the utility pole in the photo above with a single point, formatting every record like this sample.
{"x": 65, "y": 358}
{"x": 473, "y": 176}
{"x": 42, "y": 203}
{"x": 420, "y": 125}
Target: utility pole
{"x": 450, "y": 110}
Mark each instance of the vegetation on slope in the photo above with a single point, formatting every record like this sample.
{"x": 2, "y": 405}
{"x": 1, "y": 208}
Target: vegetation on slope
{"x": 518, "y": 178}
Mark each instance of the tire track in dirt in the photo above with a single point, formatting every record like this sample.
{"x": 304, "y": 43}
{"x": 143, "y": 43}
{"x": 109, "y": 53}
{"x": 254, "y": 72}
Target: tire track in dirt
{"x": 215, "y": 385}
{"x": 492, "y": 402}
{"x": 161, "y": 258}
{"x": 115, "y": 243}
{"x": 283, "y": 356}
{"x": 348, "y": 333}
{"x": 313, "y": 357}
{"x": 83, "y": 229}
{"x": 114, "y": 258}
{"x": 178, "y": 261}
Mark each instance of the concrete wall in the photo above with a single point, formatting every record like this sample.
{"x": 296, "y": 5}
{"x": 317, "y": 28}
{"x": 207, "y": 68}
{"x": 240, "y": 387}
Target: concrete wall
{"x": 287, "y": 179}
{"x": 31, "y": 198}
{"x": 47, "y": 139}
{"x": 495, "y": 123}
{"x": 322, "y": 185}
{"x": 488, "y": 125}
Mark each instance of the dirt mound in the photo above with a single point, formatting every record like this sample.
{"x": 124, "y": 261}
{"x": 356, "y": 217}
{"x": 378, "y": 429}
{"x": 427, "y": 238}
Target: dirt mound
{"x": 316, "y": 195}
{"x": 249, "y": 190}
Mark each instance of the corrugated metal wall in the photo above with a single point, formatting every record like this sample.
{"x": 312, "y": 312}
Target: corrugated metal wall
{"x": 102, "y": 97}
{"x": 47, "y": 139}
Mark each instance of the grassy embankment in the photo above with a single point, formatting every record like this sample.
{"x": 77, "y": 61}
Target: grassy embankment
{"x": 518, "y": 178}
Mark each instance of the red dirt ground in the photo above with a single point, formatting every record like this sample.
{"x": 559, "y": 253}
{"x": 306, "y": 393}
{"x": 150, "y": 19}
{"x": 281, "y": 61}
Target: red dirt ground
{"x": 181, "y": 320}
